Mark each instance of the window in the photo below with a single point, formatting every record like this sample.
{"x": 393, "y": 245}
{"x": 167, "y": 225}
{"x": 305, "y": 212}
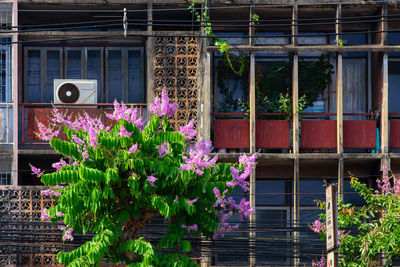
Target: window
{"x": 5, "y": 92}
{"x": 119, "y": 71}
{"x": 273, "y": 215}
{"x": 5, "y": 169}
{"x": 5, "y": 16}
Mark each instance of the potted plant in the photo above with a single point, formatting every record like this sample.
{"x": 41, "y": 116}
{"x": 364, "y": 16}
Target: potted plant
{"x": 273, "y": 101}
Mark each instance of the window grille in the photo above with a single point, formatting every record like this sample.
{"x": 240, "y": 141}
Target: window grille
{"x": 5, "y": 16}
{"x": 5, "y": 169}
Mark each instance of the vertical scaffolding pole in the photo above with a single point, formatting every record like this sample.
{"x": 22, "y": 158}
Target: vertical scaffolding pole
{"x": 296, "y": 135}
{"x": 252, "y": 99}
{"x": 339, "y": 120}
{"x": 204, "y": 120}
{"x": 150, "y": 56}
{"x": 339, "y": 102}
{"x": 15, "y": 89}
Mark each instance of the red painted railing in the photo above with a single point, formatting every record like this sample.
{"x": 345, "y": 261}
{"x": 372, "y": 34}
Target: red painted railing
{"x": 33, "y": 112}
{"x": 232, "y": 131}
{"x": 235, "y": 133}
{"x": 394, "y": 130}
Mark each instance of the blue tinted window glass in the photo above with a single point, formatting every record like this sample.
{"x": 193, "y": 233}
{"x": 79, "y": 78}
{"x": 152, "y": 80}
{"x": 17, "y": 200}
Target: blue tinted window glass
{"x": 114, "y": 76}
{"x": 270, "y": 193}
{"x": 74, "y": 64}
{"x": 53, "y": 72}
{"x": 311, "y": 190}
{"x": 94, "y": 71}
{"x": 135, "y": 77}
{"x": 33, "y": 79}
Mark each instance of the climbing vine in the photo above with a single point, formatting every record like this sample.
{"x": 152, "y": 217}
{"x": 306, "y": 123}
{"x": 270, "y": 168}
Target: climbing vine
{"x": 222, "y": 44}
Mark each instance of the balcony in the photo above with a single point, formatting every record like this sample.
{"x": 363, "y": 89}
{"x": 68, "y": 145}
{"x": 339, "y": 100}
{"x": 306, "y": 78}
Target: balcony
{"x": 318, "y": 132}
{"x": 33, "y": 112}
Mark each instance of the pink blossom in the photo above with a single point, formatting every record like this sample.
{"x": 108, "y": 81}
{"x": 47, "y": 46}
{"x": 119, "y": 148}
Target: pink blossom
{"x": 190, "y": 202}
{"x": 321, "y": 262}
{"x": 46, "y": 133}
{"x": 68, "y": 234}
{"x": 60, "y": 214}
{"x": 151, "y": 180}
{"x": 162, "y": 107}
{"x": 44, "y": 215}
{"x": 59, "y": 165}
{"x": 245, "y": 209}
{"x": 123, "y": 132}
{"x": 133, "y": 149}
{"x": 198, "y": 158}
{"x": 36, "y": 171}
{"x": 193, "y": 227}
{"x": 190, "y": 228}
{"x": 239, "y": 179}
{"x": 318, "y": 226}
{"x": 46, "y": 193}
{"x": 121, "y": 112}
{"x": 77, "y": 140}
{"x": 187, "y": 131}
{"x": 163, "y": 150}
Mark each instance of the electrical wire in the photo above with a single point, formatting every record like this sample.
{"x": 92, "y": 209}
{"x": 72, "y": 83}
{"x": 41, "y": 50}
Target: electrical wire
{"x": 343, "y": 19}
{"x": 179, "y": 22}
{"x": 144, "y": 35}
{"x": 199, "y": 8}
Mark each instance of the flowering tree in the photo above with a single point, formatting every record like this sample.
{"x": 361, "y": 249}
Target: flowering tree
{"x": 121, "y": 177}
{"x": 377, "y": 225}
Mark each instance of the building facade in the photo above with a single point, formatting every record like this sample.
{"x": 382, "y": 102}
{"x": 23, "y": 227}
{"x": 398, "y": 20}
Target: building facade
{"x": 311, "y": 86}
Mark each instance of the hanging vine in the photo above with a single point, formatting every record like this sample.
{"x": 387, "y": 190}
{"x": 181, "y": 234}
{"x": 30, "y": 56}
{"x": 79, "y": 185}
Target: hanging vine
{"x": 223, "y": 45}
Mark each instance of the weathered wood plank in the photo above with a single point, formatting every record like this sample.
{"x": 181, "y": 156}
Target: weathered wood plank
{"x": 313, "y": 48}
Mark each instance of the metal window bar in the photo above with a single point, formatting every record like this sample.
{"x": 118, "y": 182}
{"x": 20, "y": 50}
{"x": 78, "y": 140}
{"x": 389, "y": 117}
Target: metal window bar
{"x": 5, "y": 169}
{"x": 5, "y": 16}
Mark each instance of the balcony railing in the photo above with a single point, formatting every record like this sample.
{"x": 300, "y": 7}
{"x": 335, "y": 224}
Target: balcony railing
{"x": 231, "y": 130}
{"x": 320, "y": 133}
{"x": 33, "y": 112}
{"x": 317, "y": 131}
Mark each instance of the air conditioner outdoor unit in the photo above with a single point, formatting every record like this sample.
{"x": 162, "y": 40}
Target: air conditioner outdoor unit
{"x": 75, "y": 91}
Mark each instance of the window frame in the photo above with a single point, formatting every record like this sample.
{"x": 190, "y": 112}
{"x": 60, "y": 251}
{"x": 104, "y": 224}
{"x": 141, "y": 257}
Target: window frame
{"x": 85, "y": 48}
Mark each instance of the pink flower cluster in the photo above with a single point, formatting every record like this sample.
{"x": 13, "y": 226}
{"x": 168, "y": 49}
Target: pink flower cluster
{"x": 227, "y": 207}
{"x": 92, "y": 126}
{"x": 387, "y": 187}
{"x": 198, "y": 158}
{"x": 36, "y": 171}
{"x": 44, "y": 215}
{"x": 190, "y": 202}
{"x": 59, "y": 165}
{"x": 49, "y": 193}
{"x": 46, "y": 133}
{"x": 133, "y": 149}
{"x": 318, "y": 226}
{"x": 123, "y": 132}
{"x": 187, "y": 131}
{"x": 67, "y": 233}
{"x": 121, "y": 112}
{"x": 320, "y": 263}
{"x": 162, "y": 107}
{"x": 245, "y": 209}
{"x": 163, "y": 149}
{"x": 190, "y": 228}
{"x": 151, "y": 179}
{"x": 239, "y": 179}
